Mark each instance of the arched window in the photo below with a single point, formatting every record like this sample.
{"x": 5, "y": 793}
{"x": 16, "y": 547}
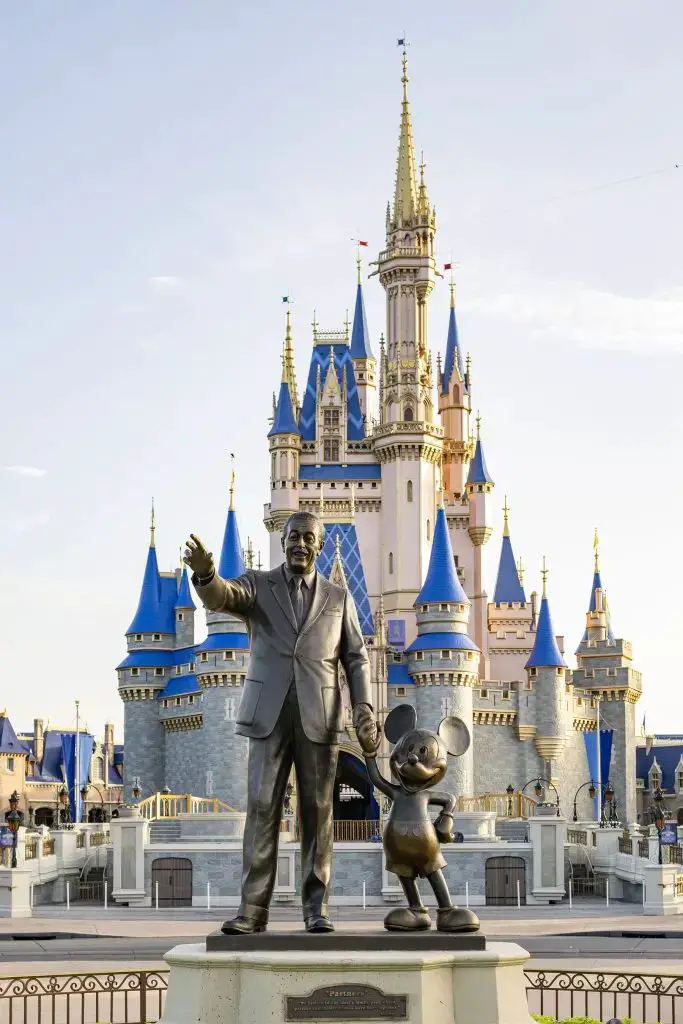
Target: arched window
{"x": 429, "y": 530}
{"x": 409, "y": 490}
{"x": 283, "y": 464}
{"x": 98, "y": 769}
{"x": 391, "y": 562}
{"x": 408, "y": 413}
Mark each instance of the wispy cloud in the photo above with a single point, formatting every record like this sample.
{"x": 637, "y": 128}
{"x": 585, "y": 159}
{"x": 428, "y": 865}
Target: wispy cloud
{"x": 25, "y": 470}
{"x": 164, "y": 282}
{"x": 647, "y": 325}
{"x": 33, "y": 522}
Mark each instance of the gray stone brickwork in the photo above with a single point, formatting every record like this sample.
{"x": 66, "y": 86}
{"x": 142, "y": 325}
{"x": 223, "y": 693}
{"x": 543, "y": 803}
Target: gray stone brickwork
{"x": 436, "y": 701}
{"x": 185, "y": 762}
{"x": 144, "y": 747}
{"x": 224, "y": 752}
{"x": 184, "y": 626}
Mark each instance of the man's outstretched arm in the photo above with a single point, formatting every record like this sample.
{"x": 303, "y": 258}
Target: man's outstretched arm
{"x": 215, "y": 593}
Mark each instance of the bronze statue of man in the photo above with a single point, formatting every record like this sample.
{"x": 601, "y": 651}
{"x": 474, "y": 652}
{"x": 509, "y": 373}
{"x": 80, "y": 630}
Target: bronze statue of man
{"x": 302, "y": 627}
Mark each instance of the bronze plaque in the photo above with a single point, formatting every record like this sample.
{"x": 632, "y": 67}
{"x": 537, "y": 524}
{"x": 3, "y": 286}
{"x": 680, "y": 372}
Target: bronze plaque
{"x": 347, "y": 1002}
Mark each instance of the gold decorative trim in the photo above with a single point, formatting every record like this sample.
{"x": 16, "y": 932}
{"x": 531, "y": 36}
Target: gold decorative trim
{"x": 494, "y": 717}
{"x": 182, "y": 723}
{"x": 525, "y": 732}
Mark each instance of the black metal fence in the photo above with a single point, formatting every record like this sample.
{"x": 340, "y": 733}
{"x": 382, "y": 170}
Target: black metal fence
{"x": 137, "y": 997}
{"x": 642, "y": 998}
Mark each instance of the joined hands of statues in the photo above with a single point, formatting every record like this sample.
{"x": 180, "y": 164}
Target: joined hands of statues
{"x": 368, "y": 731}
{"x": 198, "y": 558}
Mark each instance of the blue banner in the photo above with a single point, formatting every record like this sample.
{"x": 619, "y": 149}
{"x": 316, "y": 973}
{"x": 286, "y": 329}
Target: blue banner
{"x": 73, "y": 784}
{"x": 591, "y": 742}
{"x": 397, "y": 633}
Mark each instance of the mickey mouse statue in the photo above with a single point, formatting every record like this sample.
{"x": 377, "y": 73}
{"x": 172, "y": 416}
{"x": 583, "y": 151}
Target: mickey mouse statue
{"x": 411, "y": 840}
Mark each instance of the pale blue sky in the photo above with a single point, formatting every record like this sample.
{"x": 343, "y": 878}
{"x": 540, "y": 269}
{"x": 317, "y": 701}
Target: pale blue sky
{"x": 170, "y": 170}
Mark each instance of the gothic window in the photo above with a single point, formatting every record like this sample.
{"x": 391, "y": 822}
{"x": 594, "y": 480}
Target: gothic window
{"x": 409, "y": 490}
{"x": 408, "y": 414}
{"x": 98, "y": 769}
{"x": 230, "y": 709}
{"x": 283, "y": 464}
{"x": 429, "y": 530}
{"x": 331, "y": 451}
{"x": 272, "y": 468}
{"x": 391, "y": 562}
{"x": 331, "y": 417}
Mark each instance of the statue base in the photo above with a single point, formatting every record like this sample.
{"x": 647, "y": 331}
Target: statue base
{"x": 297, "y": 979}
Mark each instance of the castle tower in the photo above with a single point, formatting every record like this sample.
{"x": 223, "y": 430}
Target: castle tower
{"x": 479, "y": 485}
{"x": 605, "y": 669}
{"x": 547, "y": 673}
{"x": 455, "y": 407}
{"x": 143, "y": 674}
{"x": 284, "y": 439}
{"x": 408, "y": 443}
{"x": 221, "y": 667}
{"x": 443, "y": 660}
{"x": 509, "y": 616}
{"x": 364, "y": 363}
{"x": 184, "y": 611}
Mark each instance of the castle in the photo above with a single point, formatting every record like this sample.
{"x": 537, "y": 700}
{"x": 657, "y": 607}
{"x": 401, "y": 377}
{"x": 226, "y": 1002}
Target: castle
{"x": 402, "y": 485}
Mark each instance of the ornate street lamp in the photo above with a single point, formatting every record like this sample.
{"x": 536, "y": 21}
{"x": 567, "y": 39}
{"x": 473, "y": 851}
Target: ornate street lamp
{"x": 510, "y": 790}
{"x": 136, "y": 790}
{"x": 540, "y": 780}
{"x": 14, "y": 821}
{"x": 591, "y": 792}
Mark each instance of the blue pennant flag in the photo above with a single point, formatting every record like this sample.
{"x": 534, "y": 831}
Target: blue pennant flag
{"x": 285, "y": 298}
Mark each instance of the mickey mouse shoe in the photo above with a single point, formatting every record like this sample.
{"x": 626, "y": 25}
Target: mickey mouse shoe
{"x": 407, "y": 919}
{"x": 456, "y": 919}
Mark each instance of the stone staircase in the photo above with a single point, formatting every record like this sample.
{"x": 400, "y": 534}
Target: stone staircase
{"x": 513, "y": 830}
{"x": 164, "y": 831}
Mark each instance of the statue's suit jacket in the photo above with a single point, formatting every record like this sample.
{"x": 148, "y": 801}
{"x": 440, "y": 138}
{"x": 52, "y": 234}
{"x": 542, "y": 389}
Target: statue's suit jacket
{"x": 281, "y": 654}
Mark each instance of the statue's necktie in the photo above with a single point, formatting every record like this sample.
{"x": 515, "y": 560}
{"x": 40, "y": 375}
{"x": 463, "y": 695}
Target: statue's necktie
{"x": 298, "y": 601}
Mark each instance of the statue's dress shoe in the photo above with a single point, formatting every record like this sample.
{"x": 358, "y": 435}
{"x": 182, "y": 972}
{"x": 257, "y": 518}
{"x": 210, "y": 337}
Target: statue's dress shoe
{"x": 318, "y": 923}
{"x": 241, "y": 925}
{"x": 456, "y": 919}
{"x": 407, "y": 919}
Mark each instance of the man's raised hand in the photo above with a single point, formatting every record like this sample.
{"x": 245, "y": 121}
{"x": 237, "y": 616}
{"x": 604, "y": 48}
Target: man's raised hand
{"x": 198, "y": 558}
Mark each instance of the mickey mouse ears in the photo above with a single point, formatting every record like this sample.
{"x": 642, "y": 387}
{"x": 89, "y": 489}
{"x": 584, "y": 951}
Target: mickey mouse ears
{"x": 398, "y": 722}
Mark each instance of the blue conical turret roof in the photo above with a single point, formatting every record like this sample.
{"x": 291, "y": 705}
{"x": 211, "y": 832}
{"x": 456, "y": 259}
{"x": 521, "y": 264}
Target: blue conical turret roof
{"x": 509, "y": 589}
{"x": 453, "y": 353}
{"x": 478, "y": 472}
{"x": 184, "y": 599}
{"x": 150, "y": 616}
{"x": 285, "y": 420}
{"x": 360, "y": 339}
{"x": 545, "y": 652}
{"x": 442, "y": 583}
{"x": 231, "y": 562}
{"x": 9, "y": 742}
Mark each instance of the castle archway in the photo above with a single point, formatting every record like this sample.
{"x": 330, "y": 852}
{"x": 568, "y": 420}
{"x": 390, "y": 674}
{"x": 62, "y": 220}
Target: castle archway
{"x": 354, "y": 798}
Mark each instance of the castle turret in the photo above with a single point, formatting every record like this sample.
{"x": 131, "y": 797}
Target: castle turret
{"x": 143, "y": 674}
{"x": 184, "y": 611}
{"x": 455, "y": 407}
{"x": 478, "y": 486}
{"x": 547, "y": 671}
{"x": 605, "y": 670}
{"x": 285, "y": 451}
{"x": 364, "y": 363}
{"x": 221, "y": 666}
{"x": 443, "y": 660}
{"x": 509, "y": 624}
{"x": 408, "y": 443}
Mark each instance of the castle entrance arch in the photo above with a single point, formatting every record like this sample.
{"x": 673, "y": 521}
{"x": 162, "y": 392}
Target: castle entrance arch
{"x": 354, "y": 798}
{"x": 174, "y": 877}
{"x": 502, "y": 877}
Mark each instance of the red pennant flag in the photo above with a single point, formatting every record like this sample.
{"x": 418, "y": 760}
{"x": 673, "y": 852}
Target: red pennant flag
{"x": 362, "y": 243}
{"x": 448, "y": 266}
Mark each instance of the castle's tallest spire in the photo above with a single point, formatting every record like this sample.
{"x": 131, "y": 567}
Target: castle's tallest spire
{"x": 405, "y": 194}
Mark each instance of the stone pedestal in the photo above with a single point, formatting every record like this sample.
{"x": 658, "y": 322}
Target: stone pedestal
{"x": 428, "y": 986}
{"x": 129, "y": 836}
{"x": 15, "y": 892}
{"x": 547, "y": 834}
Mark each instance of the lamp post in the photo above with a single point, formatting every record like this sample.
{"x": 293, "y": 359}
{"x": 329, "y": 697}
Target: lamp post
{"x": 84, "y": 795}
{"x": 539, "y": 781}
{"x": 607, "y": 797}
{"x": 591, "y": 792}
{"x": 14, "y": 821}
{"x": 510, "y": 791}
{"x": 658, "y": 798}
{"x": 63, "y": 794}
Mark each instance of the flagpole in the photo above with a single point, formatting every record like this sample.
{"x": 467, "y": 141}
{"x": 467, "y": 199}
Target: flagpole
{"x": 77, "y": 785}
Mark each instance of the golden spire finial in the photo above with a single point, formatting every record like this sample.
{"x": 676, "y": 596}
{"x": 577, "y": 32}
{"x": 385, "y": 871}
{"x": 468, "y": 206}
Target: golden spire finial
{"x": 353, "y": 499}
{"x": 544, "y": 577}
{"x": 152, "y": 527}
{"x": 249, "y": 554}
{"x": 596, "y": 545}
{"x": 478, "y": 422}
{"x": 314, "y": 325}
{"x": 520, "y": 570}
{"x": 506, "y": 530}
{"x": 337, "y": 546}
{"x": 231, "y": 506}
{"x": 347, "y": 327}
{"x": 405, "y": 197}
